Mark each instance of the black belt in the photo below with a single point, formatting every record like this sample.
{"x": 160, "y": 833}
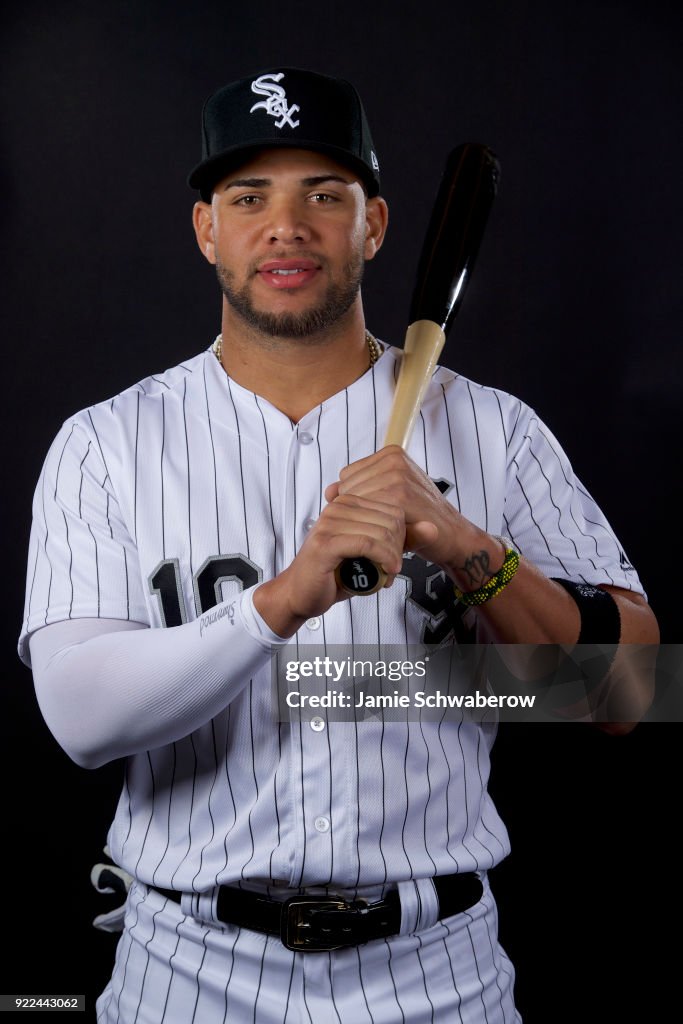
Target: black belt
{"x": 314, "y": 924}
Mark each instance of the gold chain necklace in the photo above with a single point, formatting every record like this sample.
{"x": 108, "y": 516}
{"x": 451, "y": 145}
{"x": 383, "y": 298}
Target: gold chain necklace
{"x": 374, "y": 347}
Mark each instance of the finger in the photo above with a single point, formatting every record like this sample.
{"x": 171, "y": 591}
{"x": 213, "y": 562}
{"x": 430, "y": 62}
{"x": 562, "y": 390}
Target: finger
{"x": 391, "y": 455}
{"x": 375, "y": 542}
{"x": 357, "y": 506}
{"x": 353, "y": 526}
{"x": 374, "y": 539}
{"x": 332, "y": 491}
{"x": 391, "y": 479}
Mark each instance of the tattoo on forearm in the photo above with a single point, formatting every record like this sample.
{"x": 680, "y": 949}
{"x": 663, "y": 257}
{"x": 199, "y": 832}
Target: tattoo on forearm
{"x": 477, "y": 569}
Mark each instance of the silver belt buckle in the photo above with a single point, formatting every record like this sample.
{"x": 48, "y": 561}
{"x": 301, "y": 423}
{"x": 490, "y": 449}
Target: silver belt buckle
{"x": 296, "y": 927}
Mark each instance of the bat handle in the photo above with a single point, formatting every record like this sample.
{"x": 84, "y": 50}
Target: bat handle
{"x": 421, "y": 350}
{"x": 359, "y": 576}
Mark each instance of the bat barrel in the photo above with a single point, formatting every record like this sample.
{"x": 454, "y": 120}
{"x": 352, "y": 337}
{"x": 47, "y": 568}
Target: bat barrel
{"x": 463, "y": 202}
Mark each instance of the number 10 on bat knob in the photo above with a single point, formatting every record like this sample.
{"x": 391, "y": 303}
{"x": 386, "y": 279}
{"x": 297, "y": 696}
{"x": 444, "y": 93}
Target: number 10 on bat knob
{"x": 360, "y": 576}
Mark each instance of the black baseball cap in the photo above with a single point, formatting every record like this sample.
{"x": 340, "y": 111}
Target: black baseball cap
{"x": 289, "y": 107}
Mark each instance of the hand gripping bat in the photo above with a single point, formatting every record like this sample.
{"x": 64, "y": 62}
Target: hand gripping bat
{"x": 461, "y": 208}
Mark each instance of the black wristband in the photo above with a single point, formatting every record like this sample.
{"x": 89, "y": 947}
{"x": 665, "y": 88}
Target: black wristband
{"x": 599, "y": 634}
{"x": 600, "y": 619}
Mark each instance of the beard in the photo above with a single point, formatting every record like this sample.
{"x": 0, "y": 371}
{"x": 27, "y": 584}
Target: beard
{"x": 337, "y": 300}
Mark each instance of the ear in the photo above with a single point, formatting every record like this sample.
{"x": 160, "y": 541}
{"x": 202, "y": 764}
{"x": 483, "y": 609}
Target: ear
{"x": 376, "y": 220}
{"x": 202, "y": 221}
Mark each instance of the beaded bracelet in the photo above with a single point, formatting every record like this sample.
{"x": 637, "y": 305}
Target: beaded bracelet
{"x": 495, "y": 584}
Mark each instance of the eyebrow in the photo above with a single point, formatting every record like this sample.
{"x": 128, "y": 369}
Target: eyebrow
{"x": 318, "y": 179}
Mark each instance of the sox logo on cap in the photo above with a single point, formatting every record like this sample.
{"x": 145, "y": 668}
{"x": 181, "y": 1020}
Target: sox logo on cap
{"x": 276, "y": 104}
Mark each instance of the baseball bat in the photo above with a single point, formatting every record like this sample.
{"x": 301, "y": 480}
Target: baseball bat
{"x": 461, "y": 208}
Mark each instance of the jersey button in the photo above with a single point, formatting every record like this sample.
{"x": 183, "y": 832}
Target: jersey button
{"x": 309, "y": 524}
{"x": 305, "y": 437}
{"x": 314, "y": 623}
{"x": 322, "y": 824}
{"x": 317, "y": 724}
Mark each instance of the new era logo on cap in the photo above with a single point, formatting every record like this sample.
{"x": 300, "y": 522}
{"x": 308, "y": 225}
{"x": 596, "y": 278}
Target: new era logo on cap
{"x": 284, "y": 107}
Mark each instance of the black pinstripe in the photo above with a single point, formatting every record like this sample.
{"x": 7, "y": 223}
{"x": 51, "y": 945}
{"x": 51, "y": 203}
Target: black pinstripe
{"x": 135, "y": 464}
{"x": 213, "y": 461}
{"x": 241, "y": 466}
{"x": 244, "y": 873}
{"x": 538, "y": 527}
{"x": 481, "y": 457}
{"x": 424, "y": 978}
{"x": 189, "y": 481}
{"x": 393, "y": 982}
{"x": 199, "y": 971}
{"x": 362, "y": 986}
{"x": 429, "y": 796}
{"x": 161, "y": 469}
{"x": 207, "y": 844}
{"x": 450, "y": 965}
{"x": 270, "y": 489}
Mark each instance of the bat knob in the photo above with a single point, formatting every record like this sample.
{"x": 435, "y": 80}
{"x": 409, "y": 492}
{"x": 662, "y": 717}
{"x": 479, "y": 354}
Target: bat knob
{"x": 360, "y": 576}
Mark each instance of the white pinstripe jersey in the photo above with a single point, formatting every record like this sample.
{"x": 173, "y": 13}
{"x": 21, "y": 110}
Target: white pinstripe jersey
{"x": 186, "y": 488}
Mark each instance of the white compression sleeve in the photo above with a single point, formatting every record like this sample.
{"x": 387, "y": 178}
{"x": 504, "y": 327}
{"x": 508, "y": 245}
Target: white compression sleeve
{"x": 108, "y": 688}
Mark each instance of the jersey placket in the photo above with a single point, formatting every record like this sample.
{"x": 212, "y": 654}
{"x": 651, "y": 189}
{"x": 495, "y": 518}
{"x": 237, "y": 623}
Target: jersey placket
{"x": 311, "y": 772}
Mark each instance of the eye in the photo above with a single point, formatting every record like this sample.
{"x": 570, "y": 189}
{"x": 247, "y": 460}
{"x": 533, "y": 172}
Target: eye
{"x": 247, "y": 200}
{"x": 322, "y": 198}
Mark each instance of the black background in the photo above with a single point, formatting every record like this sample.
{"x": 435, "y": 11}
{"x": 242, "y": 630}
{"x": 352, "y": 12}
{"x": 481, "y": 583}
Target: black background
{"x": 574, "y": 307}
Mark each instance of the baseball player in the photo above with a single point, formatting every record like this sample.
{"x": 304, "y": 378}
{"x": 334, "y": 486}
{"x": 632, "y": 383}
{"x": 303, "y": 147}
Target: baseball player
{"x": 312, "y": 869}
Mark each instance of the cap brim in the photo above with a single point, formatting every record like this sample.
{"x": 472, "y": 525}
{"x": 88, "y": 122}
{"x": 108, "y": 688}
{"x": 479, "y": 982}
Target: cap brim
{"x": 208, "y": 173}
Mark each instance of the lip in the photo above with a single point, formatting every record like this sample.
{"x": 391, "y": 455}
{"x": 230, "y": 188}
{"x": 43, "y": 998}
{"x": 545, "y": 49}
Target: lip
{"x": 289, "y": 264}
{"x": 288, "y": 274}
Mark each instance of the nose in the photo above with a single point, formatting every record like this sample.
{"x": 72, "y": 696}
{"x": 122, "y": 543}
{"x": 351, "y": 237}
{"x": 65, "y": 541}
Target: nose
{"x": 287, "y": 223}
